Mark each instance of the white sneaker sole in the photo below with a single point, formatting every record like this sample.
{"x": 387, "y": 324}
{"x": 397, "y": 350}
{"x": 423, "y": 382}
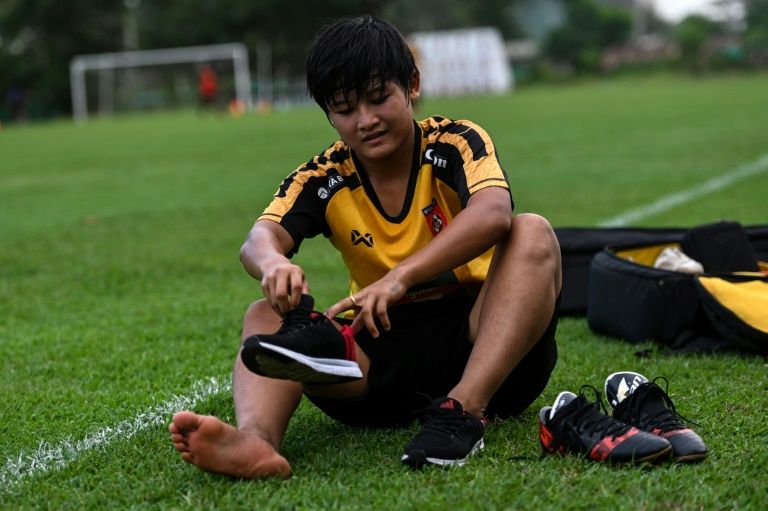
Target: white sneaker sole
{"x": 300, "y": 367}
{"x": 453, "y": 463}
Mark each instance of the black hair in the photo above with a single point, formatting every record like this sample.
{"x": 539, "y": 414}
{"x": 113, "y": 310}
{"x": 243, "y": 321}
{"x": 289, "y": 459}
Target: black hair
{"x": 352, "y": 54}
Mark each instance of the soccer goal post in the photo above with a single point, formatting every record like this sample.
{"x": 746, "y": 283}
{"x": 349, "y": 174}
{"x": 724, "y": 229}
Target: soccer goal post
{"x": 107, "y": 63}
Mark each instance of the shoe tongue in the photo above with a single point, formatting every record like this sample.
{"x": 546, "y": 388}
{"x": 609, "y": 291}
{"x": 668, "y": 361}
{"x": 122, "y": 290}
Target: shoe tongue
{"x": 653, "y": 401}
{"x": 307, "y": 302}
{"x": 300, "y": 316}
{"x": 562, "y": 399}
{"x": 620, "y": 385}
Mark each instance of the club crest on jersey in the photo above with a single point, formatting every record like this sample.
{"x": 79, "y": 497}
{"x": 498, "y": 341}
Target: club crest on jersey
{"x": 436, "y": 219}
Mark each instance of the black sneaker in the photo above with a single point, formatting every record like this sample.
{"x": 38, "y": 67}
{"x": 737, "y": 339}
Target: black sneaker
{"x": 576, "y": 425}
{"x": 448, "y": 436}
{"x": 644, "y": 404}
{"x": 308, "y": 348}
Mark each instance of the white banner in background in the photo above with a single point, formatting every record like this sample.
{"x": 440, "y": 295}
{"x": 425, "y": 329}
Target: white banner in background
{"x": 458, "y": 62}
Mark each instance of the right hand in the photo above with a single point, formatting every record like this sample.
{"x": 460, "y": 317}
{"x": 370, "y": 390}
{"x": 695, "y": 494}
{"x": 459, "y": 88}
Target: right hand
{"x": 372, "y": 303}
{"x": 283, "y": 283}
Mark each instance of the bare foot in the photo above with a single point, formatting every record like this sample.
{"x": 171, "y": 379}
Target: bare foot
{"x": 215, "y": 446}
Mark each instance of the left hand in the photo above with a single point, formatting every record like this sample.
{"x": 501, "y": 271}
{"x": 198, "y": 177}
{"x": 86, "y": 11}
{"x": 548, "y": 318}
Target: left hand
{"x": 372, "y": 303}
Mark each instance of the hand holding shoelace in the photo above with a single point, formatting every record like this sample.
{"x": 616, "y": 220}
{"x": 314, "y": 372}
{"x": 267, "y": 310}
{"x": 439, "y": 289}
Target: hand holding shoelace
{"x": 371, "y": 303}
{"x": 283, "y": 283}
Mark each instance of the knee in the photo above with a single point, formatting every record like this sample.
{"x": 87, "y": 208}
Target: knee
{"x": 260, "y": 318}
{"x": 537, "y": 238}
{"x": 259, "y": 308}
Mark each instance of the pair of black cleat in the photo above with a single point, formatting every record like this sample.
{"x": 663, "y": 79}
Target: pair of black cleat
{"x": 645, "y": 426}
{"x": 309, "y": 348}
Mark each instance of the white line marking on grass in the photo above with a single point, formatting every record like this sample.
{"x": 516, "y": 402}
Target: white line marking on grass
{"x": 54, "y": 457}
{"x": 676, "y": 199}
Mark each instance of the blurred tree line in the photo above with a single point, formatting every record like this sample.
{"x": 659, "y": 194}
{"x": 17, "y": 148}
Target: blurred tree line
{"x": 38, "y": 38}
{"x": 591, "y": 27}
{"x": 756, "y": 37}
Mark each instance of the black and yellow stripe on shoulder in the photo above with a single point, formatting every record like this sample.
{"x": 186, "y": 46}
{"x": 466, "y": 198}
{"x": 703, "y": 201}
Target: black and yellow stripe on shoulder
{"x": 337, "y": 159}
{"x": 335, "y": 156}
{"x": 300, "y": 202}
{"x": 479, "y": 161}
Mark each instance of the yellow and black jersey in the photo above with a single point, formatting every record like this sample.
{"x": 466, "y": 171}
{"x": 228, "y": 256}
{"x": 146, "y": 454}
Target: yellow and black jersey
{"x": 332, "y": 195}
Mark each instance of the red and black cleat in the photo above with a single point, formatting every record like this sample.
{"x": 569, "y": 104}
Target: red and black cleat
{"x": 575, "y": 425}
{"x": 644, "y": 404}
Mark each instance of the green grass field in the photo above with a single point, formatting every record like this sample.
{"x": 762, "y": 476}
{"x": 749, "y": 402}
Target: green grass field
{"x": 121, "y": 291}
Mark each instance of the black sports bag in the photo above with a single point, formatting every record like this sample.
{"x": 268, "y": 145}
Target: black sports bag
{"x": 630, "y": 299}
{"x": 579, "y": 245}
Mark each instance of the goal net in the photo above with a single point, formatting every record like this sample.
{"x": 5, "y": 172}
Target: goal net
{"x": 165, "y": 78}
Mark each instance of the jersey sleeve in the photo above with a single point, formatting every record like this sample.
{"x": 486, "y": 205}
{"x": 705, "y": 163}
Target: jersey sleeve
{"x": 479, "y": 165}
{"x": 296, "y": 208}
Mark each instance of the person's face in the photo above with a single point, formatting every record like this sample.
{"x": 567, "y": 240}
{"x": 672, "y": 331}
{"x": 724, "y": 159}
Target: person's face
{"x": 378, "y": 123}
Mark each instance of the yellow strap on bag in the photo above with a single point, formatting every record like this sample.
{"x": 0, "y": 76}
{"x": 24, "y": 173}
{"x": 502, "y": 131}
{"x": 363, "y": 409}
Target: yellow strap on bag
{"x": 748, "y": 300}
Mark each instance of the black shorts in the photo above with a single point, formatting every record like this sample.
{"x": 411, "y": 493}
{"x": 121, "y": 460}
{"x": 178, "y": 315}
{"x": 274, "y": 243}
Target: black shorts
{"x": 423, "y": 356}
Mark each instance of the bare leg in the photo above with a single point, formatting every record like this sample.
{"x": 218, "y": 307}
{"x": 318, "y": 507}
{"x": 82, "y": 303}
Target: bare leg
{"x": 263, "y": 407}
{"x": 512, "y": 310}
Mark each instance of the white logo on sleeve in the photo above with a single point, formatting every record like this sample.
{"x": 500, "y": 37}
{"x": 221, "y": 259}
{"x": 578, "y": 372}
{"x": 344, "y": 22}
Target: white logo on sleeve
{"x": 435, "y": 159}
{"x": 334, "y": 181}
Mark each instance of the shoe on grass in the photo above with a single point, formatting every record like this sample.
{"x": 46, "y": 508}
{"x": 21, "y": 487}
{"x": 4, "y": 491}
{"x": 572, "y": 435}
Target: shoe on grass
{"x": 575, "y": 425}
{"x": 448, "y": 436}
{"x": 307, "y": 348}
{"x": 645, "y": 405}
